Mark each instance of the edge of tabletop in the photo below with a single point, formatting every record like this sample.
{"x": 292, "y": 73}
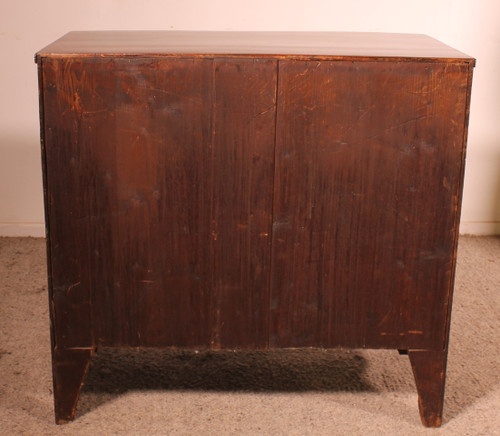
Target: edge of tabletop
{"x": 39, "y": 56}
{"x": 315, "y": 46}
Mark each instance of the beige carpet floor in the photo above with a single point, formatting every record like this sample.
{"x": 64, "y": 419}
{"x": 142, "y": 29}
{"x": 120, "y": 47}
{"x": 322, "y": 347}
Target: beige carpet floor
{"x": 307, "y": 392}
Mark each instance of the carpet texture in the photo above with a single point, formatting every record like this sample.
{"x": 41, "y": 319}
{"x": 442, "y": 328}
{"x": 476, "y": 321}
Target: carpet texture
{"x": 291, "y": 392}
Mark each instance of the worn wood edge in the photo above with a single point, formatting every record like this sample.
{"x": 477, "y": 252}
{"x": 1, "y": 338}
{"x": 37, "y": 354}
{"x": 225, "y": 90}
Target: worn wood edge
{"x": 123, "y": 42}
{"x": 50, "y": 287}
{"x": 205, "y": 347}
{"x": 41, "y": 92}
{"x": 39, "y": 57}
{"x": 430, "y": 420}
{"x": 88, "y": 353}
{"x": 456, "y": 227}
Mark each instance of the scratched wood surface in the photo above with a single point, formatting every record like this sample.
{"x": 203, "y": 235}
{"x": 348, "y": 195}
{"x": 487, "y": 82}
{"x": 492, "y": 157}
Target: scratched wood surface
{"x": 244, "y": 118}
{"x": 160, "y": 196}
{"x": 247, "y": 200}
{"x": 369, "y": 162}
{"x": 410, "y": 47}
{"x": 162, "y": 232}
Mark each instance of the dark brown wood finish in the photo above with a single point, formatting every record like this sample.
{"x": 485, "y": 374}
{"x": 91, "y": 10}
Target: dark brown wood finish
{"x": 252, "y": 190}
{"x": 159, "y": 148}
{"x": 178, "y": 156}
{"x": 67, "y": 244}
{"x": 363, "y": 240}
{"x": 118, "y": 193}
{"x": 243, "y": 158}
{"x": 338, "y": 45}
{"x": 69, "y": 369}
{"x": 429, "y": 369}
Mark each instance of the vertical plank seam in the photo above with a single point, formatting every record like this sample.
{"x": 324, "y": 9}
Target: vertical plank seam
{"x": 213, "y": 319}
{"x": 41, "y": 86}
{"x": 91, "y": 289}
{"x": 273, "y": 194}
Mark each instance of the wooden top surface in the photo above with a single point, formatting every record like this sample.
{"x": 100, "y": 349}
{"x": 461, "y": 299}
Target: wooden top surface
{"x": 298, "y": 44}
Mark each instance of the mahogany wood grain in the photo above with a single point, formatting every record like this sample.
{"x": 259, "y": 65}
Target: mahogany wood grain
{"x": 69, "y": 369}
{"x": 363, "y": 240}
{"x": 178, "y": 168}
{"x": 252, "y": 190}
{"x": 243, "y": 157}
{"x": 137, "y": 214}
{"x": 429, "y": 369}
{"x": 259, "y": 44}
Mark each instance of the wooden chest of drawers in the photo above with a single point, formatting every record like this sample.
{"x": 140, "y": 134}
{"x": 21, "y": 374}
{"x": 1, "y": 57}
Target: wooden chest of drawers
{"x": 252, "y": 190}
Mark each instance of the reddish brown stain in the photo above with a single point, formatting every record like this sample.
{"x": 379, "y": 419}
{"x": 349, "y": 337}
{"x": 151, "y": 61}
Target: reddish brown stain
{"x": 252, "y": 201}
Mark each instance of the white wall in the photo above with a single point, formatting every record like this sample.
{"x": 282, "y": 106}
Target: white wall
{"x": 471, "y": 26}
